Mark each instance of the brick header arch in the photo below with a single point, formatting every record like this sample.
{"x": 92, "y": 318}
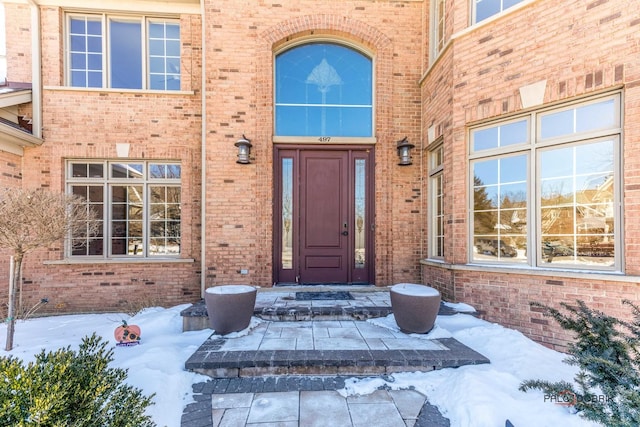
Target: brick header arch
{"x": 342, "y": 26}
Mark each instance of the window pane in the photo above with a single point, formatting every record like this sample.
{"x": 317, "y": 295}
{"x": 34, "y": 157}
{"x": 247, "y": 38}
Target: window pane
{"x": 500, "y": 210}
{"x": 577, "y": 217}
{"x": 79, "y": 170}
{"x": 126, "y": 54}
{"x": 323, "y": 121}
{"x": 488, "y": 8}
{"x": 596, "y": 116}
{"x": 500, "y": 136}
{"x": 94, "y": 44}
{"x": 78, "y": 43}
{"x": 360, "y": 214}
{"x": 164, "y": 56}
{"x": 173, "y": 48}
{"x": 437, "y": 212}
{"x": 78, "y": 61}
{"x": 586, "y": 118}
{"x": 124, "y": 170}
{"x": 85, "y": 44}
{"x": 83, "y": 243}
{"x": 164, "y": 230}
{"x": 156, "y": 47}
{"x": 287, "y": 214}
{"x": 126, "y": 224}
{"x": 156, "y": 31}
{"x": 323, "y": 89}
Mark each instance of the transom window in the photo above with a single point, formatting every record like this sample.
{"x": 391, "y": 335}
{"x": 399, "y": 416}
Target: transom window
{"x": 546, "y": 186}
{"x": 137, "y": 204}
{"x": 123, "y": 52}
{"x": 323, "y": 89}
{"x": 483, "y": 9}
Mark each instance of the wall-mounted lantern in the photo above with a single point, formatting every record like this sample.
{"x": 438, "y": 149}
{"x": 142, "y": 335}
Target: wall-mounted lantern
{"x": 244, "y": 150}
{"x": 404, "y": 152}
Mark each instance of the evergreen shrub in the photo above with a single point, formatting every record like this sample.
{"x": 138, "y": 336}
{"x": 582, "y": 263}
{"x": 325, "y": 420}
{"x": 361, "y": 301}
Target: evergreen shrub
{"x": 68, "y": 388}
{"x": 606, "y": 349}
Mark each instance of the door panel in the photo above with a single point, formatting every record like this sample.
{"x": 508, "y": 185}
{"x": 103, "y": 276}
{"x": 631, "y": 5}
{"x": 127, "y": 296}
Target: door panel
{"x": 322, "y": 214}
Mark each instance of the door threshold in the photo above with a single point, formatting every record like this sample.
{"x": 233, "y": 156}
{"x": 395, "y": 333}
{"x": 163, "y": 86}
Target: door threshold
{"x": 359, "y": 284}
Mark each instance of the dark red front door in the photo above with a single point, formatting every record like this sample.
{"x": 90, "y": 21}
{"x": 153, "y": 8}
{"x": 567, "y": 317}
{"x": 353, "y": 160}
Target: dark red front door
{"x": 322, "y": 215}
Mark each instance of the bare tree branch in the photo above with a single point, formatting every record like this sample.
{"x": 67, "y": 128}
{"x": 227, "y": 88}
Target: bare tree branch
{"x": 31, "y": 219}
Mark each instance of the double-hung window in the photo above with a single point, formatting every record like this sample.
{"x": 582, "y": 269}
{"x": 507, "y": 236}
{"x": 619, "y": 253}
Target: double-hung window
{"x": 120, "y": 52}
{"x": 483, "y": 9}
{"x": 137, "y": 204}
{"x": 545, "y": 188}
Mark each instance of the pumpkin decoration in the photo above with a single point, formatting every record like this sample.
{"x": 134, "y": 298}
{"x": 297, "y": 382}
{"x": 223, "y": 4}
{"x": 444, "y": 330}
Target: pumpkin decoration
{"x": 127, "y": 335}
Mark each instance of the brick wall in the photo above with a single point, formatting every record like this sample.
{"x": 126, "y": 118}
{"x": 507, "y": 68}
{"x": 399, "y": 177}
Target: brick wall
{"x": 241, "y": 39}
{"x": 579, "y": 48}
{"x": 239, "y": 222}
{"x": 88, "y": 125}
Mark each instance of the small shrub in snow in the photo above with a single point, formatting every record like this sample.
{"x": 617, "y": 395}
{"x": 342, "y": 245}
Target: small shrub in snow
{"x": 607, "y": 351}
{"x": 68, "y": 388}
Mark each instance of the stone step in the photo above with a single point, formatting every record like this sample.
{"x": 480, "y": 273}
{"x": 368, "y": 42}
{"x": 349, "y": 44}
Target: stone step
{"x": 211, "y": 361}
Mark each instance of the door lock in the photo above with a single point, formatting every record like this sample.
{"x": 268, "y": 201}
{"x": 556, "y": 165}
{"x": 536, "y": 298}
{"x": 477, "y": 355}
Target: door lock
{"x": 345, "y": 233}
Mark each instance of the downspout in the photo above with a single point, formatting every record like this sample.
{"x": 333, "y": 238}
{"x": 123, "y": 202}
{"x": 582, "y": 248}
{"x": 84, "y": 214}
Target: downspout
{"x": 203, "y": 155}
{"x": 36, "y": 73}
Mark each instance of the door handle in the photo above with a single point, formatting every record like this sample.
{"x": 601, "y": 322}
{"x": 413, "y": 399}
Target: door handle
{"x": 345, "y": 233}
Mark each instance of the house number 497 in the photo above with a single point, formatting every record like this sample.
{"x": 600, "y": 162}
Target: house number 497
{"x": 324, "y": 139}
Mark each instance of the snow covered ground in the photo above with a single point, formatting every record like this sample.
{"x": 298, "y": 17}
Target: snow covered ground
{"x": 474, "y": 396}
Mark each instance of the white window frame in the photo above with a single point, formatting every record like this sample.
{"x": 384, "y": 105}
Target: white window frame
{"x": 533, "y": 149}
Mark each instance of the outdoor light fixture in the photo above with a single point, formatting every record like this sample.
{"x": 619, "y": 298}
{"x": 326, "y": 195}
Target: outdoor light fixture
{"x": 404, "y": 152}
{"x": 244, "y": 150}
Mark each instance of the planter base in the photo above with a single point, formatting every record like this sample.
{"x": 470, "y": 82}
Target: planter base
{"x": 230, "y": 307}
{"x": 415, "y": 307}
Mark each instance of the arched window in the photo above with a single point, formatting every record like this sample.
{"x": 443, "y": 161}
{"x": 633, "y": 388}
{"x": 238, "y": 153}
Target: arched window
{"x": 323, "y": 89}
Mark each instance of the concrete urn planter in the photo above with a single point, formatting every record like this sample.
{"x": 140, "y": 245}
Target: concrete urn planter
{"x": 230, "y": 307}
{"x": 415, "y": 307}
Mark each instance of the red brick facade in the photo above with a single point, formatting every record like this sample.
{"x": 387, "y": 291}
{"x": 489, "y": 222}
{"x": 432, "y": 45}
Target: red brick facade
{"x": 579, "y": 48}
